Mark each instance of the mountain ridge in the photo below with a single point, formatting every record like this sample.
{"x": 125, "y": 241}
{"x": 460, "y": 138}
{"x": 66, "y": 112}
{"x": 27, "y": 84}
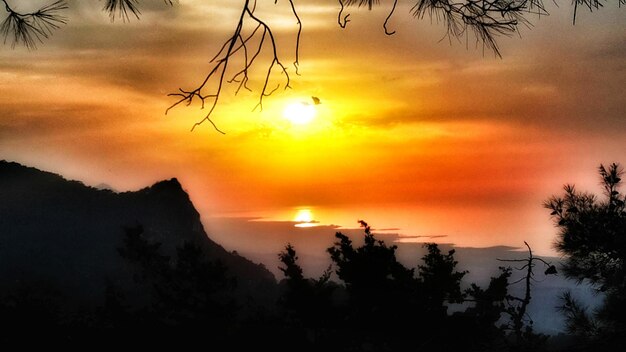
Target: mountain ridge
{"x": 67, "y": 233}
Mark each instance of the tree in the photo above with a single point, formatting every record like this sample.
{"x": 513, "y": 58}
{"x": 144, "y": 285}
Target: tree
{"x": 521, "y": 324}
{"x": 188, "y": 291}
{"x": 311, "y": 315}
{"x": 438, "y": 275}
{"x": 309, "y": 299}
{"x": 252, "y": 36}
{"x": 370, "y": 268}
{"x": 387, "y": 306}
{"x": 381, "y": 289}
{"x": 488, "y": 306}
{"x": 592, "y": 237}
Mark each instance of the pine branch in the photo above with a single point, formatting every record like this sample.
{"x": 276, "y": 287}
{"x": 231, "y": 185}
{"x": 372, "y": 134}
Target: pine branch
{"x": 28, "y": 29}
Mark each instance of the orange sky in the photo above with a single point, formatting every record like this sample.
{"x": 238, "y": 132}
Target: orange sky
{"x": 412, "y": 133}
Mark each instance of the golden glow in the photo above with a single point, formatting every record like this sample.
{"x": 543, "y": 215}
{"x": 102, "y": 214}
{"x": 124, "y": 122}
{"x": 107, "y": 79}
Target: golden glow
{"x": 300, "y": 113}
{"x": 304, "y": 218}
{"x": 304, "y": 215}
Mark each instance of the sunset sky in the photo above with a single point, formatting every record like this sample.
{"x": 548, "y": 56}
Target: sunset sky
{"x": 417, "y": 135}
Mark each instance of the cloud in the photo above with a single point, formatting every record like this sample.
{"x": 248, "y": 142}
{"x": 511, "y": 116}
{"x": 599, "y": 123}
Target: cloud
{"x": 417, "y": 239}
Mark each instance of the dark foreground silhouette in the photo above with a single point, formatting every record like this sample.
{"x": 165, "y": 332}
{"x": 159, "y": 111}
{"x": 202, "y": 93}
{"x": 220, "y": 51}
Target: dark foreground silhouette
{"x": 84, "y": 267}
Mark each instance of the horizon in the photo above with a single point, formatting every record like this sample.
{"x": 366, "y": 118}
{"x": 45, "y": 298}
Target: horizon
{"x": 259, "y": 239}
{"x": 59, "y": 203}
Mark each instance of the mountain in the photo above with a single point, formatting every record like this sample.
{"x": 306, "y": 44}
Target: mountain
{"x": 66, "y": 235}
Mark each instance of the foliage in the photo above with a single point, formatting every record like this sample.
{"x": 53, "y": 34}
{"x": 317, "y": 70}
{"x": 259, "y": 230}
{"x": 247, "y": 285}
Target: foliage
{"x": 189, "y": 290}
{"x": 592, "y": 232}
{"x": 29, "y": 28}
{"x": 318, "y": 314}
{"x": 592, "y": 237}
{"x": 578, "y": 321}
{"x": 379, "y": 304}
{"x": 439, "y": 278}
{"x": 490, "y": 302}
{"x": 413, "y": 304}
{"x": 309, "y": 299}
{"x": 310, "y": 312}
{"x": 370, "y": 268}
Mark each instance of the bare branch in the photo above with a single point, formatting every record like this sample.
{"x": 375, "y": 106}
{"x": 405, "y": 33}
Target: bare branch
{"x": 517, "y": 311}
{"x": 241, "y": 45}
{"x": 343, "y": 22}
{"x": 296, "y": 62}
{"x": 275, "y": 61}
{"x": 393, "y": 9}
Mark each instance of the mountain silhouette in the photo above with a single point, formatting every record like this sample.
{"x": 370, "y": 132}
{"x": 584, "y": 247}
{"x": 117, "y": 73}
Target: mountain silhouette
{"x": 66, "y": 234}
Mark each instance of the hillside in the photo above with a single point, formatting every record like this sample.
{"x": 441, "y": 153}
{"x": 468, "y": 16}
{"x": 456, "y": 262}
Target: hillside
{"x": 63, "y": 234}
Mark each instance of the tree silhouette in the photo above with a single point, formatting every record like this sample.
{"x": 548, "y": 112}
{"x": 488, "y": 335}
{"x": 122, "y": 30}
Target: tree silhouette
{"x": 438, "y": 275}
{"x": 309, "y": 298}
{"x": 521, "y": 323}
{"x": 480, "y": 319}
{"x": 311, "y": 312}
{"x": 253, "y": 36}
{"x": 370, "y": 268}
{"x": 383, "y": 305}
{"x": 381, "y": 289}
{"x": 32, "y": 306}
{"x": 188, "y": 291}
{"x": 592, "y": 237}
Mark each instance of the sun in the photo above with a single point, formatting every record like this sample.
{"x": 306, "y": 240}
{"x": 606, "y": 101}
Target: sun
{"x": 304, "y": 215}
{"x": 300, "y": 113}
{"x": 304, "y": 218}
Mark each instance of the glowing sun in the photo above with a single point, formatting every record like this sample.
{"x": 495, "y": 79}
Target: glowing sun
{"x": 300, "y": 113}
{"x": 304, "y": 218}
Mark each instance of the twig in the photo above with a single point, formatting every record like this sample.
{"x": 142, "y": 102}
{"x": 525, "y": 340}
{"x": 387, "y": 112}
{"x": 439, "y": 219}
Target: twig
{"x": 518, "y": 314}
{"x": 344, "y": 19}
{"x": 240, "y": 44}
{"x": 393, "y": 9}
{"x": 296, "y": 62}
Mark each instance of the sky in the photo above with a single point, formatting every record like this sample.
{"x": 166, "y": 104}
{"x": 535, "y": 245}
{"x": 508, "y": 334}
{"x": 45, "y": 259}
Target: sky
{"x": 425, "y": 138}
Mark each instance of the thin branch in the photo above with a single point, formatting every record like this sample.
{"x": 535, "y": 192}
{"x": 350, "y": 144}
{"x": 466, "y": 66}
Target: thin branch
{"x": 343, "y": 22}
{"x": 241, "y": 45}
{"x": 296, "y": 62}
{"x": 518, "y": 281}
{"x": 518, "y": 312}
{"x": 275, "y": 61}
{"x": 221, "y": 66}
{"x": 393, "y": 9}
{"x": 212, "y": 123}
